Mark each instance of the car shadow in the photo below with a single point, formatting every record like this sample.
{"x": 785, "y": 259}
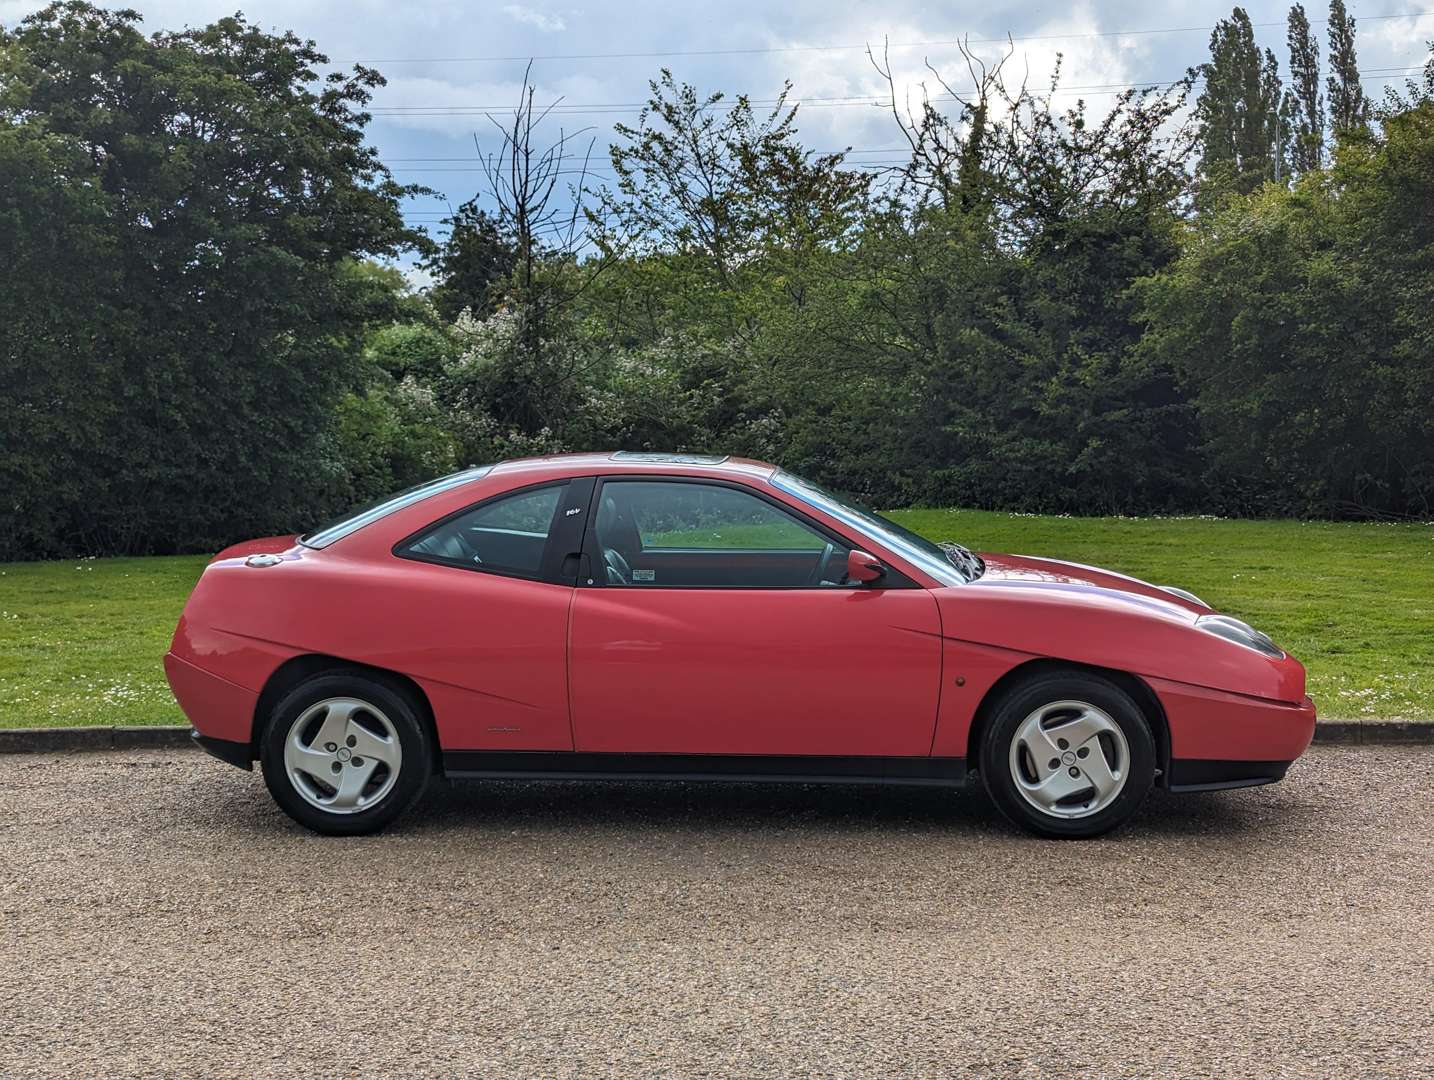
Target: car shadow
{"x": 717, "y": 806}
{"x": 722, "y": 807}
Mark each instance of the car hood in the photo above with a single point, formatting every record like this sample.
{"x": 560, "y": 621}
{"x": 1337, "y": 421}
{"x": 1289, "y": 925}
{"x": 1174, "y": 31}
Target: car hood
{"x": 1089, "y": 582}
{"x": 1085, "y": 615}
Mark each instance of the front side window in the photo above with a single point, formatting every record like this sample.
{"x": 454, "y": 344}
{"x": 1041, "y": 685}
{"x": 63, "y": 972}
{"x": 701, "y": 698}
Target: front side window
{"x": 921, "y": 551}
{"x": 676, "y": 534}
{"x": 507, "y": 535}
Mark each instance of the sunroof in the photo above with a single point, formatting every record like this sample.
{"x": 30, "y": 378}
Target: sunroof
{"x": 670, "y": 459}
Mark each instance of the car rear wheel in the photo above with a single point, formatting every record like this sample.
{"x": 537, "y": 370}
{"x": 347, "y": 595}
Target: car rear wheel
{"x": 345, "y": 754}
{"x": 1068, "y": 754}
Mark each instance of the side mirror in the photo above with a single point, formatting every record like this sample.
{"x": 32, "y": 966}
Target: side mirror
{"x": 863, "y": 567}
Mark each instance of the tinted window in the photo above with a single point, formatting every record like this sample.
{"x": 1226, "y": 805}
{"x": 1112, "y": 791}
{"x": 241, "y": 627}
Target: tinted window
{"x": 507, "y": 534}
{"x": 692, "y": 535}
{"x": 367, "y": 515}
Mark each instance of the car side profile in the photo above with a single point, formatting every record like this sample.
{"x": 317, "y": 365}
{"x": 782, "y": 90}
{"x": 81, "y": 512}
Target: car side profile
{"x": 675, "y": 616}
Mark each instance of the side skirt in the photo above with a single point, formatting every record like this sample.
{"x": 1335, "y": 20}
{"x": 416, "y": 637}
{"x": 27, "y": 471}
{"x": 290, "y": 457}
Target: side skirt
{"x": 817, "y": 769}
{"x": 1199, "y": 774}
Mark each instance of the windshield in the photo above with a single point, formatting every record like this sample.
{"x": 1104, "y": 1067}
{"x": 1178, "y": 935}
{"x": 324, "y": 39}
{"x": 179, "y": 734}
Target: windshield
{"x": 931, "y": 557}
{"x": 367, "y": 515}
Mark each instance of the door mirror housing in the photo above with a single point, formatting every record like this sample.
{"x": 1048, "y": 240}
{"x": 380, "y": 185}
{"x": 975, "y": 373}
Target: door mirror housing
{"x": 863, "y": 567}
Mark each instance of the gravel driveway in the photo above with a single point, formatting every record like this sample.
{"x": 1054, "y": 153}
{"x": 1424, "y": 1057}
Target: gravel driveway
{"x": 158, "y": 916}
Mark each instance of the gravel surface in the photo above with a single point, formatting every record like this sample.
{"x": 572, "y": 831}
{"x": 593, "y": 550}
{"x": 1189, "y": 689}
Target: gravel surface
{"x": 158, "y": 916}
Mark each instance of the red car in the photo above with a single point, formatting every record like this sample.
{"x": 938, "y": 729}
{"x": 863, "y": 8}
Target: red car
{"x": 674, "y": 616}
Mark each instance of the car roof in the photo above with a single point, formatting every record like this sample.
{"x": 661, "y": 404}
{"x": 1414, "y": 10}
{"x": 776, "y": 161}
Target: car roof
{"x": 645, "y": 463}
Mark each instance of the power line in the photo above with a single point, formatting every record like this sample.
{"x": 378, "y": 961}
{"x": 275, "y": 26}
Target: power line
{"x": 471, "y": 165}
{"x": 634, "y": 106}
{"x": 629, "y": 108}
{"x": 470, "y": 158}
{"x": 838, "y": 48}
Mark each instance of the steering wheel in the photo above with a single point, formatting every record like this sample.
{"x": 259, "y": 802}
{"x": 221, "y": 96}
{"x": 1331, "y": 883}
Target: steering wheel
{"x": 618, "y": 570}
{"x": 819, "y": 572}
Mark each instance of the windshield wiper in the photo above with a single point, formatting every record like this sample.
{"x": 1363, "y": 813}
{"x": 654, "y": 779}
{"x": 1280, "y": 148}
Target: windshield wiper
{"x": 964, "y": 559}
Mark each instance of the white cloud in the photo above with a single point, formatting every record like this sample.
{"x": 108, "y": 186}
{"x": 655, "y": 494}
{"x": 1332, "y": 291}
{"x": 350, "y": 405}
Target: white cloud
{"x": 548, "y": 24}
{"x": 461, "y": 107}
{"x": 418, "y": 278}
{"x": 1092, "y": 63}
{"x": 445, "y": 65}
{"x": 12, "y": 11}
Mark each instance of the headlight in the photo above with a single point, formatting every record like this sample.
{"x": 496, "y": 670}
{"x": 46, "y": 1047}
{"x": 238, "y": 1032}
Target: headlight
{"x": 1240, "y": 633}
{"x": 1184, "y": 594}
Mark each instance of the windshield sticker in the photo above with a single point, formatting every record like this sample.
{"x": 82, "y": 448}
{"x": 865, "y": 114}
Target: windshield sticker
{"x": 644, "y": 575}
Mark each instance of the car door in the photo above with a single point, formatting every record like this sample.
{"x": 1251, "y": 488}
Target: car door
{"x": 719, "y": 622}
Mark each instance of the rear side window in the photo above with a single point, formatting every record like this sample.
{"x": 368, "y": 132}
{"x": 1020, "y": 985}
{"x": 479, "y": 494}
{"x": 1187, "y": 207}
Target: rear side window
{"x": 367, "y": 515}
{"x": 507, "y": 535}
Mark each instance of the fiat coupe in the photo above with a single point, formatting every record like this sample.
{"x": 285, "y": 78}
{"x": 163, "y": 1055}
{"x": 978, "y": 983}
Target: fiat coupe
{"x": 686, "y": 617}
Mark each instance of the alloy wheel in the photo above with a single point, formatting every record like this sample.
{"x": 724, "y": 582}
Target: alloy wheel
{"x": 1069, "y": 759}
{"x": 342, "y": 755}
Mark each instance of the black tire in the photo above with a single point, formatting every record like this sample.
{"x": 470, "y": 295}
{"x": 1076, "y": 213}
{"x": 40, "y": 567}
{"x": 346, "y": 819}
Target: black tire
{"x": 1021, "y": 702}
{"x": 394, "y": 703}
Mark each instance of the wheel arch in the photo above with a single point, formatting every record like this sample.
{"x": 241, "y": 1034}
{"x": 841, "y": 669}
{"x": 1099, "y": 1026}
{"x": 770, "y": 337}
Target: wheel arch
{"x": 300, "y": 669}
{"x": 1139, "y": 690}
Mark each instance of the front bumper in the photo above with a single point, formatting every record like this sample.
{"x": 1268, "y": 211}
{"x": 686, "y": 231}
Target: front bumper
{"x": 1216, "y": 725}
{"x": 1205, "y": 774}
{"x": 1222, "y": 740}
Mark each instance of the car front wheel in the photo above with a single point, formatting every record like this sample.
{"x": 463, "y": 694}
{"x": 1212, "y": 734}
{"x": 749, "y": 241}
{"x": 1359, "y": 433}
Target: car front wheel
{"x": 1068, "y": 754}
{"x": 345, "y": 754}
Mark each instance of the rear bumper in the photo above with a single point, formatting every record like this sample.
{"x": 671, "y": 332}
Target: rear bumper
{"x": 218, "y": 708}
{"x": 233, "y": 753}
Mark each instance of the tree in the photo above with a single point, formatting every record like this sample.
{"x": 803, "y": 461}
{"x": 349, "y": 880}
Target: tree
{"x": 181, "y": 216}
{"x": 471, "y": 265}
{"x": 719, "y": 189}
{"x": 523, "y": 178}
{"x": 1242, "y": 133}
{"x": 527, "y": 379}
{"x": 1299, "y": 324}
{"x": 723, "y": 229}
{"x": 950, "y": 156}
{"x": 985, "y": 324}
{"x": 1306, "y": 103}
{"x": 1055, "y": 404}
{"x": 413, "y": 349}
{"x": 59, "y": 283}
{"x": 1348, "y": 107}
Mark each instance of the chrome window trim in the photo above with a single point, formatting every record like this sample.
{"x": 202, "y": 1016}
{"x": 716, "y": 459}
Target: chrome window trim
{"x": 322, "y": 538}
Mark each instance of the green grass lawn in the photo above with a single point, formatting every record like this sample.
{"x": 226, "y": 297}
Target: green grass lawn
{"x": 81, "y": 640}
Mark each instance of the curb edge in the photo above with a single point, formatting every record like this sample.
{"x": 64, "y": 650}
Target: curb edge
{"x": 73, "y": 739}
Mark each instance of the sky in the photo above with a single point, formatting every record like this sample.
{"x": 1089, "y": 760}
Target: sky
{"x": 448, "y": 62}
